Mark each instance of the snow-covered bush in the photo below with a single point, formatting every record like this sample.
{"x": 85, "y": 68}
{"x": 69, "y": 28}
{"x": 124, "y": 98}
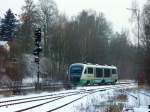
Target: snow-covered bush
{"x": 30, "y": 68}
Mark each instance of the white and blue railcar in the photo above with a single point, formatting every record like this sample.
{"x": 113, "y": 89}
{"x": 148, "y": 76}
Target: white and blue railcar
{"x": 83, "y": 74}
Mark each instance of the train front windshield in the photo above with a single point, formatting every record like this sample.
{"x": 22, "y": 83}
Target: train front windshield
{"x": 75, "y": 73}
{"x": 76, "y": 70}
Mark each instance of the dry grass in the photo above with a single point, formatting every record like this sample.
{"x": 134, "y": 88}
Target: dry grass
{"x": 114, "y": 108}
{"x": 6, "y": 93}
{"x": 122, "y": 97}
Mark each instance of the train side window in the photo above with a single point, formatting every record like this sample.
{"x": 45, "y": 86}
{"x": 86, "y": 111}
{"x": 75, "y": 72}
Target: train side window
{"x": 99, "y": 72}
{"x": 114, "y": 71}
{"x": 90, "y": 70}
{"x": 106, "y": 72}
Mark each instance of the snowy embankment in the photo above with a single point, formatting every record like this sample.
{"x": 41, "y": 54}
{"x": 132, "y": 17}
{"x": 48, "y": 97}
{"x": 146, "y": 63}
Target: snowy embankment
{"x": 90, "y": 101}
{"x": 140, "y": 102}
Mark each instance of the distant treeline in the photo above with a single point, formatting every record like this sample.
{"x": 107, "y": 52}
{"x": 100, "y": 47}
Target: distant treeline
{"x": 87, "y": 37}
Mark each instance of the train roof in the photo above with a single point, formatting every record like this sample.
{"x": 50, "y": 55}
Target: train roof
{"x": 94, "y": 65}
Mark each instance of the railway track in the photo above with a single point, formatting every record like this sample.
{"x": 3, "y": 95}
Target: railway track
{"x": 138, "y": 105}
{"x": 31, "y": 99}
{"x": 138, "y": 92}
{"x": 83, "y": 94}
{"x": 146, "y": 94}
{"x": 48, "y": 99}
{"x": 32, "y": 86}
{"x": 51, "y": 110}
{"x": 24, "y": 100}
{"x": 19, "y": 99}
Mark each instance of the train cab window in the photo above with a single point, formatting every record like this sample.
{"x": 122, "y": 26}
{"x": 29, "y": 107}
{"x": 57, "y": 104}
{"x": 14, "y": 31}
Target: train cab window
{"x": 99, "y": 72}
{"x": 106, "y": 72}
{"x": 76, "y": 70}
{"x": 114, "y": 71}
{"x": 85, "y": 71}
{"x": 90, "y": 70}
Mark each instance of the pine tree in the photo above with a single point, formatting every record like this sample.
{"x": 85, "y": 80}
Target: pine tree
{"x": 8, "y": 26}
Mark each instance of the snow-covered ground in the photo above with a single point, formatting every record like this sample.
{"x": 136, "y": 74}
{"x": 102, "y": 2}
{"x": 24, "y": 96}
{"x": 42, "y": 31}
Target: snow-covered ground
{"x": 118, "y": 97}
{"x": 139, "y": 104}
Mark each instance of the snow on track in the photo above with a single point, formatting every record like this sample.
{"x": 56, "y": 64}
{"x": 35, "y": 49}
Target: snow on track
{"x": 54, "y": 103}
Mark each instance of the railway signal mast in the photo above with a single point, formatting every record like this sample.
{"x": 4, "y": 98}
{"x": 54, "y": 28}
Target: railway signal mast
{"x": 36, "y": 53}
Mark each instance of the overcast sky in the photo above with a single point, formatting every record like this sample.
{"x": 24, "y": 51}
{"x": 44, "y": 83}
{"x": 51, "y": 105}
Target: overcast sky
{"x": 114, "y": 10}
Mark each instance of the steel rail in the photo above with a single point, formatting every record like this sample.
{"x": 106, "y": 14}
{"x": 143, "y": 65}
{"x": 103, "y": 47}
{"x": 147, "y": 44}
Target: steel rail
{"x": 20, "y": 99}
{"x": 83, "y": 92}
{"x": 53, "y": 100}
{"x": 145, "y": 94}
{"x": 32, "y": 99}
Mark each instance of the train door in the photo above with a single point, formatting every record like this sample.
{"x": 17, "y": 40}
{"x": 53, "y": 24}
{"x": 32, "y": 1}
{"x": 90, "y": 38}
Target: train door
{"x": 107, "y": 75}
{"x": 88, "y": 75}
{"x": 114, "y": 75}
{"x": 98, "y": 75}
